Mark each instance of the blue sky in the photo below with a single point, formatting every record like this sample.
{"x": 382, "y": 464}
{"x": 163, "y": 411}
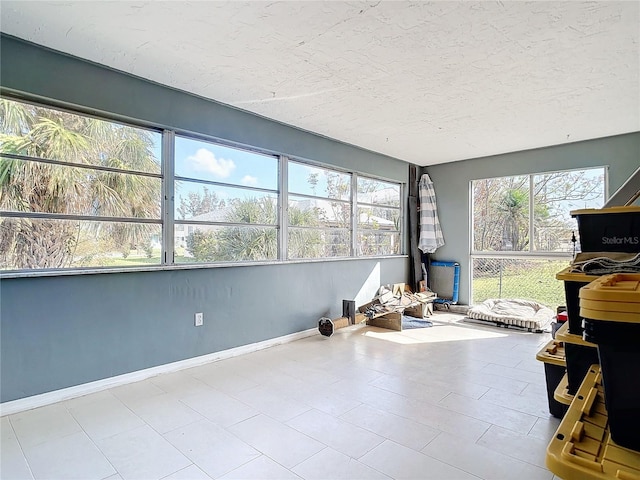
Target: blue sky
{"x": 208, "y": 161}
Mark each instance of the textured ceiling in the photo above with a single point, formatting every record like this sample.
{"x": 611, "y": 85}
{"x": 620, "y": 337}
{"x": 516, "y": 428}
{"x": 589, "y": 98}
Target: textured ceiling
{"x": 426, "y": 82}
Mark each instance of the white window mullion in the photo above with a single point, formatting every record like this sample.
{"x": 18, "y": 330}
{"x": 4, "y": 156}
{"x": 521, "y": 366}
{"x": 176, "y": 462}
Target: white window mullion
{"x": 531, "y": 214}
{"x": 354, "y": 214}
{"x": 283, "y": 207}
{"x": 168, "y": 200}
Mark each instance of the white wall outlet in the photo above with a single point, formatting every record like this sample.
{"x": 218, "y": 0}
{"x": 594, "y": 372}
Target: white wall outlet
{"x": 199, "y": 319}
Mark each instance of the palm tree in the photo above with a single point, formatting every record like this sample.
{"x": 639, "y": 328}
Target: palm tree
{"x": 250, "y": 242}
{"x": 32, "y": 186}
{"x": 515, "y": 205}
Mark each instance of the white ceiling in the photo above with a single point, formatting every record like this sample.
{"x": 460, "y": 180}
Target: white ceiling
{"x": 426, "y": 82}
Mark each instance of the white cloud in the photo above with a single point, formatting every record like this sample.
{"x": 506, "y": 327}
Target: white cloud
{"x": 249, "y": 180}
{"x": 205, "y": 161}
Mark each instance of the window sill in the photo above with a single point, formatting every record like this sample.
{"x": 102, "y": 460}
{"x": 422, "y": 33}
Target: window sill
{"x": 190, "y": 266}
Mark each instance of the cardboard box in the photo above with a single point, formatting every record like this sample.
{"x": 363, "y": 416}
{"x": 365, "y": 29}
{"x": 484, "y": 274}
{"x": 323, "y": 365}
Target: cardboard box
{"x": 421, "y": 310}
{"x": 390, "y": 321}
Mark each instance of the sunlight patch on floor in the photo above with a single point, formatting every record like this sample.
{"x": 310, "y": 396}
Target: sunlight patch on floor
{"x": 435, "y": 334}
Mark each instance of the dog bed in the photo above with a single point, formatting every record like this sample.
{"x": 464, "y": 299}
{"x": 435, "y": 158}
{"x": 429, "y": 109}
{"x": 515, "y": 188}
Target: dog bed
{"x": 513, "y": 311}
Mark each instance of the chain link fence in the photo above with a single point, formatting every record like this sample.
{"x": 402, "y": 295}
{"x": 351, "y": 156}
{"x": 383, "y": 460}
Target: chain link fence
{"x": 530, "y": 279}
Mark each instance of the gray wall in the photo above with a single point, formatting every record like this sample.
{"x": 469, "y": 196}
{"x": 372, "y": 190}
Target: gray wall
{"x": 62, "y": 331}
{"x": 452, "y": 184}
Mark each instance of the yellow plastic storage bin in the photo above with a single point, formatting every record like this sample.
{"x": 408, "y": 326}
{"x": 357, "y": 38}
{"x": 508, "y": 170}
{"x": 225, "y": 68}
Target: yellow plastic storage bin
{"x": 579, "y": 354}
{"x": 552, "y": 355}
{"x": 582, "y": 448}
{"x": 561, "y": 393}
{"x": 610, "y": 307}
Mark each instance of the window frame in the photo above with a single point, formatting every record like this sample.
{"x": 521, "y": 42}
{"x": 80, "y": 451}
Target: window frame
{"x": 358, "y": 204}
{"x": 531, "y": 253}
{"x": 107, "y": 219}
{"x": 288, "y": 193}
{"x": 217, "y": 223}
{"x": 168, "y": 179}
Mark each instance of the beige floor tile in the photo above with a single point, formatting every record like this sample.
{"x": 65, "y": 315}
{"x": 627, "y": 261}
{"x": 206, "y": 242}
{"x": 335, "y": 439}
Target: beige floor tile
{"x": 136, "y": 391}
{"x": 414, "y": 390}
{"x": 103, "y": 416}
{"x": 330, "y": 464}
{"x": 43, "y": 424}
{"x": 180, "y": 384}
{"x": 72, "y": 457}
{"x": 401, "y": 462}
{"x": 532, "y": 404}
{"x": 443, "y": 419}
{"x": 481, "y": 461}
{"x": 225, "y": 379}
{"x": 496, "y": 382}
{"x": 271, "y": 402}
{"x": 520, "y": 446}
{"x": 545, "y": 428}
{"x": 449, "y": 383}
{"x": 262, "y": 468}
{"x": 280, "y": 442}
{"x": 13, "y": 464}
{"x": 515, "y": 374}
{"x": 335, "y": 433}
{"x": 489, "y": 412}
{"x": 142, "y": 453}
{"x": 164, "y": 412}
{"x": 214, "y": 450}
{"x": 189, "y": 473}
{"x": 220, "y": 408}
{"x": 401, "y": 430}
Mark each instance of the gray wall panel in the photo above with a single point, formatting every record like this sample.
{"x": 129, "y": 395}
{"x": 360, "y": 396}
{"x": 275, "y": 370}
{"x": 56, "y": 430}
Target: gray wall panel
{"x": 452, "y": 184}
{"x": 68, "y": 330}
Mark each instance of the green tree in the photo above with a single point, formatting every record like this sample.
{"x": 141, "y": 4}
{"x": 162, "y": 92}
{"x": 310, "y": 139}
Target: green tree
{"x": 29, "y": 186}
{"x": 202, "y": 245}
{"x": 198, "y": 204}
{"x": 253, "y": 240}
{"x": 515, "y": 207}
{"x": 304, "y": 242}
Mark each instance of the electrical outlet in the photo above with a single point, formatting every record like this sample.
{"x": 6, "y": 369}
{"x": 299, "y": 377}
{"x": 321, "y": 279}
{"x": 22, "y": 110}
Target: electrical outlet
{"x": 199, "y": 319}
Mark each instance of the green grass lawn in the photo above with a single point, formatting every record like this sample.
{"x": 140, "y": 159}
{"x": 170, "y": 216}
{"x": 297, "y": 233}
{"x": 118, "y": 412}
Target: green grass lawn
{"x": 534, "y": 281}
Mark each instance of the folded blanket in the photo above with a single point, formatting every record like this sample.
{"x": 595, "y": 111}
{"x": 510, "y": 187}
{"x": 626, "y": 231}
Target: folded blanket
{"x": 606, "y": 263}
{"x": 513, "y": 311}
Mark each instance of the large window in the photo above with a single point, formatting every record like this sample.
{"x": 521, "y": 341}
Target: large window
{"x": 77, "y": 191}
{"x": 379, "y": 217}
{"x": 319, "y": 212}
{"x": 226, "y": 203}
{"x": 522, "y": 231}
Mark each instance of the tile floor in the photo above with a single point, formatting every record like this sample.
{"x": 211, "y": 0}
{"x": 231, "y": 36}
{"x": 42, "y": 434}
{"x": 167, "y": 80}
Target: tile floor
{"x": 455, "y": 401}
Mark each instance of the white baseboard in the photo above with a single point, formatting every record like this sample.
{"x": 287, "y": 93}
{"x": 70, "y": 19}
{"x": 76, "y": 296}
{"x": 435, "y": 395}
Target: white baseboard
{"x": 28, "y": 403}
